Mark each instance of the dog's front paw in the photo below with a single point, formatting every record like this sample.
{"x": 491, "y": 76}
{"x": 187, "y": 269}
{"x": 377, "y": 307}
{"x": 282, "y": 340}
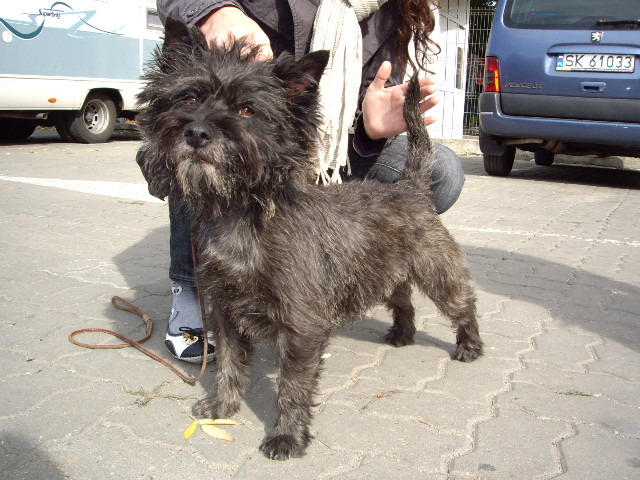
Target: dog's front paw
{"x": 282, "y": 447}
{"x": 468, "y": 352}
{"x": 212, "y": 408}
{"x": 399, "y": 337}
{"x": 206, "y": 408}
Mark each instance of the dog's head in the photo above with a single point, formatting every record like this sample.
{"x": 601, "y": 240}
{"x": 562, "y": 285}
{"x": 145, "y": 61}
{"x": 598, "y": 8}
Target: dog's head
{"x": 222, "y": 126}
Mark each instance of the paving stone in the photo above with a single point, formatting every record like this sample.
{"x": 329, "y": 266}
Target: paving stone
{"x": 526, "y": 447}
{"x": 559, "y": 347}
{"x": 409, "y": 441}
{"x": 563, "y": 379}
{"x": 617, "y": 359}
{"x": 574, "y": 406}
{"x": 594, "y": 453}
{"x": 438, "y": 409}
{"x": 371, "y": 466}
{"x": 468, "y": 382}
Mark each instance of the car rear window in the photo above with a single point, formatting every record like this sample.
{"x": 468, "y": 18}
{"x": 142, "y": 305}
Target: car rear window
{"x": 573, "y": 14}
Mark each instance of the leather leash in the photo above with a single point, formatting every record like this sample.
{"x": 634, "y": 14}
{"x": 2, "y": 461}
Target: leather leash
{"x": 130, "y": 307}
{"x": 122, "y": 304}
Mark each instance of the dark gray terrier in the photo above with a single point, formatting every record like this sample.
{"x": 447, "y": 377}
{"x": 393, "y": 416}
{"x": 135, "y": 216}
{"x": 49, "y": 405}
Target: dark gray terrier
{"x": 284, "y": 259}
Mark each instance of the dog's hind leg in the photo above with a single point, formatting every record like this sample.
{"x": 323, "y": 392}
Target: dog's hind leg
{"x": 462, "y": 312}
{"x": 300, "y": 361}
{"x": 233, "y": 352}
{"x": 403, "y": 329}
{"x": 447, "y": 282}
{"x": 443, "y": 277}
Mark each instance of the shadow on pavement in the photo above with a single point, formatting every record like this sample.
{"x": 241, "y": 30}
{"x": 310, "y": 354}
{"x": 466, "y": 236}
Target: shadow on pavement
{"x": 16, "y": 464}
{"x": 572, "y": 296}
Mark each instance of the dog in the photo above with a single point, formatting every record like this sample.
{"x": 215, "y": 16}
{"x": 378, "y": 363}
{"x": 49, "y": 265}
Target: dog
{"x": 284, "y": 259}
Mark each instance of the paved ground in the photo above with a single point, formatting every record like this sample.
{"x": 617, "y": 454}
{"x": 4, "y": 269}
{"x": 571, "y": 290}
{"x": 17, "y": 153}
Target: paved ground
{"x": 555, "y": 254}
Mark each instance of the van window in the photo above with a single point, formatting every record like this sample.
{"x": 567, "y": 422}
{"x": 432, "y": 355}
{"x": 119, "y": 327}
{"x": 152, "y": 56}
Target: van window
{"x": 573, "y": 14}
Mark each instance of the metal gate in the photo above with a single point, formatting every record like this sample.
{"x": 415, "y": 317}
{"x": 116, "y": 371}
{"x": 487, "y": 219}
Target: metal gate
{"x": 479, "y": 28}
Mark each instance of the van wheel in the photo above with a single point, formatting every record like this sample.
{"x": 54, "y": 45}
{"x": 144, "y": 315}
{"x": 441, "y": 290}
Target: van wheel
{"x": 96, "y": 121}
{"x": 500, "y": 165}
{"x": 16, "y": 129}
{"x": 543, "y": 157}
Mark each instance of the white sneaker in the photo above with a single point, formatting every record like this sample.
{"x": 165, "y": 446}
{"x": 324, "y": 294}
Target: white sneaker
{"x": 188, "y": 346}
{"x": 183, "y": 341}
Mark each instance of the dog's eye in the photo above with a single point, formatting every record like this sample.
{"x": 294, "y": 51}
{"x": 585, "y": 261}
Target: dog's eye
{"x": 190, "y": 101}
{"x": 246, "y": 111}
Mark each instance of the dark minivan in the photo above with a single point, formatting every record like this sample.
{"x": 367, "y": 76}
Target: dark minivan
{"x": 561, "y": 76}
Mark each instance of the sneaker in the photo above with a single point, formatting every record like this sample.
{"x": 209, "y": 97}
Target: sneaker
{"x": 188, "y": 345}
{"x": 185, "y": 336}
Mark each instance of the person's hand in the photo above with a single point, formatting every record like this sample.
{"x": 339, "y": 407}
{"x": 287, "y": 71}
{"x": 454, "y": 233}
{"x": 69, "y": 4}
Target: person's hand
{"x": 382, "y": 108}
{"x": 229, "y": 23}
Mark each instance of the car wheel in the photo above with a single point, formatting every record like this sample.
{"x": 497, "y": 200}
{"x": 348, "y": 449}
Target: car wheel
{"x": 96, "y": 121}
{"x": 543, "y": 157}
{"x": 12, "y": 129}
{"x": 500, "y": 165}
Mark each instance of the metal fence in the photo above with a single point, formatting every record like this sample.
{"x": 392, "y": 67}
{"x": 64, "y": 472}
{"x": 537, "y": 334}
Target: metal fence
{"x": 479, "y": 29}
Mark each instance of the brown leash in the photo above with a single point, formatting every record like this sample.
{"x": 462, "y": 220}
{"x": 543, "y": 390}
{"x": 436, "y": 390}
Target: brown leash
{"x": 122, "y": 304}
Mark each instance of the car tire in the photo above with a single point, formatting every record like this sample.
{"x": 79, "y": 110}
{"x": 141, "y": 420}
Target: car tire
{"x": 62, "y": 127}
{"x": 96, "y": 121}
{"x": 543, "y": 157}
{"x": 16, "y": 129}
{"x": 500, "y": 165}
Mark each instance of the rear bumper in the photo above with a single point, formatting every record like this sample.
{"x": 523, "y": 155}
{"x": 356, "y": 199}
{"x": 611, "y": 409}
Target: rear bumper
{"x": 499, "y": 126}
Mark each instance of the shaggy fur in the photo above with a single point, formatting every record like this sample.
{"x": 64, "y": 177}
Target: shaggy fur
{"x": 284, "y": 259}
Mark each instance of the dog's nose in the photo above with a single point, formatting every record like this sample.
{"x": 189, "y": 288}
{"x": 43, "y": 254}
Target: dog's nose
{"x": 197, "y": 134}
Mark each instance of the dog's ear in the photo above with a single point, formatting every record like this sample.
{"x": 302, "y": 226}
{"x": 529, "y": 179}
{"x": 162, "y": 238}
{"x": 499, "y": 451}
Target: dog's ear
{"x": 182, "y": 46}
{"x": 178, "y": 34}
{"x": 304, "y": 75}
{"x": 314, "y": 63}
{"x": 175, "y": 33}
{"x": 155, "y": 172}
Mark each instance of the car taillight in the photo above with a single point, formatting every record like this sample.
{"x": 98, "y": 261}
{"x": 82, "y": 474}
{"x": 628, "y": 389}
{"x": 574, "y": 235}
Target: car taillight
{"x": 492, "y": 75}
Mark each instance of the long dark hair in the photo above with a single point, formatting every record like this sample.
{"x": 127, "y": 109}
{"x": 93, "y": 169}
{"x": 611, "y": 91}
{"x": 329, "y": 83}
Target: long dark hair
{"x": 417, "y": 22}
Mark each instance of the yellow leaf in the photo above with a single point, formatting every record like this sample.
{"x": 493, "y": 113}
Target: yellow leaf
{"x": 218, "y": 421}
{"x": 216, "y": 432}
{"x": 188, "y": 433}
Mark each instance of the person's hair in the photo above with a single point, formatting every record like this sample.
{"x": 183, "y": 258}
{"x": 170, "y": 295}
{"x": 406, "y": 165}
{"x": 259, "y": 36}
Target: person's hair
{"x": 417, "y": 22}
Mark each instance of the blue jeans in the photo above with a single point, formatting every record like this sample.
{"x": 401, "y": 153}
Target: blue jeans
{"x": 447, "y": 182}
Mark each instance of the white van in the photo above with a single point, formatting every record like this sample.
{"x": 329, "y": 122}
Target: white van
{"x": 72, "y": 64}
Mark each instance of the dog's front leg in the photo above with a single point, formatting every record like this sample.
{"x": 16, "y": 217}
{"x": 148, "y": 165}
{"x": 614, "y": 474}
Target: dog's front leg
{"x": 300, "y": 361}
{"x": 233, "y": 351}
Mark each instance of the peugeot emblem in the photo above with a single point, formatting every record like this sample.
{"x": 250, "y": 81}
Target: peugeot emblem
{"x": 596, "y": 37}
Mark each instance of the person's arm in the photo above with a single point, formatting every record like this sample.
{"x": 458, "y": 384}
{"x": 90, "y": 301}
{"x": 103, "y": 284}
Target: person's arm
{"x": 219, "y": 21}
{"x": 188, "y": 11}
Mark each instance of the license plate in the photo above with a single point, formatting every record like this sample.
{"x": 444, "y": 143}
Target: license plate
{"x": 590, "y": 62}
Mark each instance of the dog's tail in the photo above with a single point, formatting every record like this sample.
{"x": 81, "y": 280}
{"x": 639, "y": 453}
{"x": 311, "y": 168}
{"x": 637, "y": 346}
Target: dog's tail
{"x": 420, "y": 156}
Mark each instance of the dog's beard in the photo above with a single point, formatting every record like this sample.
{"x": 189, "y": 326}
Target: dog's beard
{"x": 209, "y": 177}
{"x": 195, "y": 178}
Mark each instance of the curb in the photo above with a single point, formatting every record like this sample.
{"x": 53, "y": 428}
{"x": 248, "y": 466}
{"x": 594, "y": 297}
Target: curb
{"x": 468, "y": 146}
